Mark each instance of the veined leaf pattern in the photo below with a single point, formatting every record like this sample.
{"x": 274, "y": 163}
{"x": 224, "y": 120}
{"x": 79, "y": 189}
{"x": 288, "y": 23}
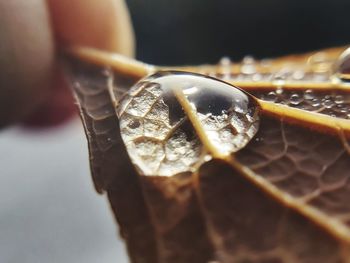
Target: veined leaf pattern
{"x": 282, "y": 197}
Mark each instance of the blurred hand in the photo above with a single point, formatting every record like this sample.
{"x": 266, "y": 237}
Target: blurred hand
{"x": 31, "y": 85}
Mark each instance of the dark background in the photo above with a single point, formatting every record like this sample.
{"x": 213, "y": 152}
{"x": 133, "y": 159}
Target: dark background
{"x": 203, "y": 31}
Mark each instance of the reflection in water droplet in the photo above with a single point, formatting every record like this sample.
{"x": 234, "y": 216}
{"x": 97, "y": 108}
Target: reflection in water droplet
{"x": 159, "y": 134}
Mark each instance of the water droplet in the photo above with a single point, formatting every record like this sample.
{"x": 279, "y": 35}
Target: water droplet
{"x": 225, "y": 61}
{"x": 257, "y": 77}
{"x": 153, "y": 121}
{"x": 309, "y": 94}
{"x": 271, "y": 96}
{"x": 339, "y": 99}
{"x": 248, "y": 60}
{"x": 295, "y": 99}
{"x": 327, "y": 103}
{"x": 248, "y": 65}
{"x": 315, "y": 102}
{"x": 225, "y": 64}
{"x": 343, "y": 108}
{"x": 298, "y": 75}
{"x": 279, "y": 91}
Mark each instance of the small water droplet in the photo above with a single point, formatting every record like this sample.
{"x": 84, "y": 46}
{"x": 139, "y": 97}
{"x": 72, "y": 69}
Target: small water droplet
{"x": 248, "y": 60}
{"x": 343, "y": 108}
{"x": 327, "y": 103}
{"x": 248, "y": 65}
{"x": 271, "y": 96}
{"x": 279, "y": 91}
{"x": 298, "y": 75}
{"x": 225, "y": 61}
{"x": 309, "y": 94}
{"x": 339, "y": 99}
{"x": 295, "y": 99}
{"x": 257, "y": 77}
{"x": 315, "y": 102}
{"x": 225, "y": 64}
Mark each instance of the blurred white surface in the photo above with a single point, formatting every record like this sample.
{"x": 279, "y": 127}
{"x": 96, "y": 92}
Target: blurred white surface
{"x": 49, "y": 211}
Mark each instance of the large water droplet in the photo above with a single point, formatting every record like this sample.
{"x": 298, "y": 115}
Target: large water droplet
{"x": 164, "y": 137}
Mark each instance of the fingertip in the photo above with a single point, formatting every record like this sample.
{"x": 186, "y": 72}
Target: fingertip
{"x": 57, "y": 108}
{"x": 100, "y": 24}
{"x": 26, "y": 58}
